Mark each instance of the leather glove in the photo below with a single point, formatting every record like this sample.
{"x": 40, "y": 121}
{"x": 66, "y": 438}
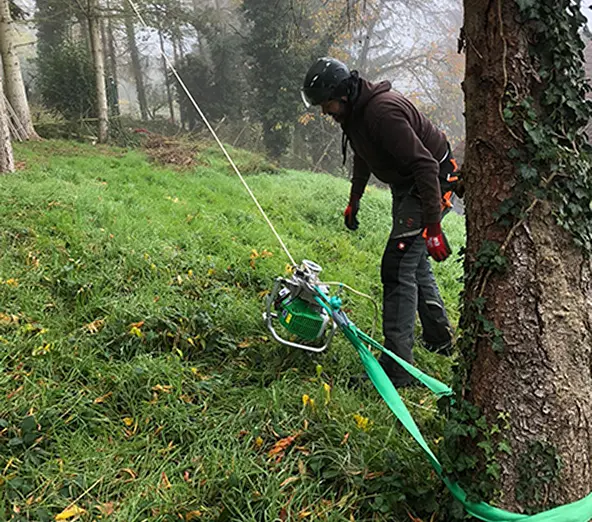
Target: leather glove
{"x": 351, "y": 211}
{"x": 436, "y": 242}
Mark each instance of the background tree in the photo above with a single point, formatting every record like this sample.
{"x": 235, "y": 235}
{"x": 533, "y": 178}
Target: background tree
{"x": 136, "y": 64}
{"x": 94, "y": 23}
{"x": 6, "y": 157}
{"x": 283, "y": 41}
{"x": 13, "y": 78}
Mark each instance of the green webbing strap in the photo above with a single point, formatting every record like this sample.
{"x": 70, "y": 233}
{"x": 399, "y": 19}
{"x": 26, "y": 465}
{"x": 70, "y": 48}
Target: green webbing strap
{"x": 580, "y": 511}
{"x": 437, "y": 387}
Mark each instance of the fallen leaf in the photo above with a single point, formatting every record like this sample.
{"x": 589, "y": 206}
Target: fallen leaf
{"x": 70, "y": 512}
{"x": 345, "y": 439}
{"x": 14, "y": 392}
{"x": 167, "y": 388}
{"x": 95, "y": 326}
{"x": 283, "y": 514}
{"x": 103, "y": 398}
{"x": 128, "y": 421}
{"x": 327, "y": 390}
{"x": 192, "y": 515}
{"x": 107, "y": 509}
{"x": 130, "y": 472}
{"x": 136, "y": 331}
{"x": 165, "y": 481}
{"x": 362, "y": 422}
{"x": 258, "y": 442}
{"x": 8, "y": 319}
{"x": 283, "y": 444}
{"x": 289, "y": 481}
{"x": 301, "y": 467}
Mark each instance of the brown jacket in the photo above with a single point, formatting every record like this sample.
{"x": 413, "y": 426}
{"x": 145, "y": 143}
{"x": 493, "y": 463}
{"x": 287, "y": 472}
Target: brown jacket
{"x": 397, "y": 143}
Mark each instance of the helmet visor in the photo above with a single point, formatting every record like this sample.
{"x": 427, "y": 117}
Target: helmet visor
{"x": 311, "y": 96}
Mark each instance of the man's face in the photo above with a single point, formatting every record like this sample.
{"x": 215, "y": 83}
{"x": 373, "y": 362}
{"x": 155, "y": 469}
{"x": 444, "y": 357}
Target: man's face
{"x": 337, "y": 109}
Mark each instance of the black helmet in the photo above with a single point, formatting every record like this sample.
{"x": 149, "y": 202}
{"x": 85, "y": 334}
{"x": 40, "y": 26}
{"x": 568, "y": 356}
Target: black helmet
{"x": 325, "y": 81}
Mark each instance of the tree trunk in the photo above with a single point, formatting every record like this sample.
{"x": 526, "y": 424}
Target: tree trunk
{"x": 541, "y": 303}
{"x": 113, "y": 92}
{"x": 94, "y": 26}
{"x": 165, "y": 71}
{"x": 136, "y": 65}
{"x": 13, "y": 78}
{"x": 6, "y": 157}
{"x": 111, "y": 54}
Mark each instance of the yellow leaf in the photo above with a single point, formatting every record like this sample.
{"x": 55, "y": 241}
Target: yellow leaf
{"x": 167, "y": 388}
{"x": 258, "y": 442}
{"x": 128, "y": 421}
{"x": 135, "y": 331}
{"x": 192, "y": 515}
{"x": 70, "y": 512}
{"x": 11, "y": 282}
{"x": 44, "y": 349}
{"x": 327, "y": 390}
{"x": 305, "y": 399}
{"x": 362, "y": 422}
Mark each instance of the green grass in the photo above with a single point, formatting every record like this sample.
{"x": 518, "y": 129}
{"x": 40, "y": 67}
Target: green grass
{"x": 131, "y": 332}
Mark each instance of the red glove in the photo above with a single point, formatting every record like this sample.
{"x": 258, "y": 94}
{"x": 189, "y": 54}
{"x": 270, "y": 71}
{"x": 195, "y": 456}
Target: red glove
{"x": 436, "y": 242}
{"x": 351, "y": 221}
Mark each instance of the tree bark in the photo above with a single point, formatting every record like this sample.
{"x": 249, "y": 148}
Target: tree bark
{"x": 94, "y": 26}
{"x": 6, "y": 156}
{"x": 13, "y": 78}
{"x": 136, "y": 64}
{"x": 542, "y": 302}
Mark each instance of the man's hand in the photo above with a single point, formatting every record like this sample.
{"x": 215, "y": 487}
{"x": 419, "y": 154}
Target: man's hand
{"x": 436, "y": 242}
{"x": 351, "y": 211}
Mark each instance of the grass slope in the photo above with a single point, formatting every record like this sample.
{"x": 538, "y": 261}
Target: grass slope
{"x": 137, "y": 380}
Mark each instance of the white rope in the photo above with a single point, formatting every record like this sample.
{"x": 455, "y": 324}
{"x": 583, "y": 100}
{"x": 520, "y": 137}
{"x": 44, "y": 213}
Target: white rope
{"x": 220, "y": 144}
{"x": 365, "y": 296}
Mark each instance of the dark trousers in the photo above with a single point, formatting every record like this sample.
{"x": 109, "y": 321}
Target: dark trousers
{"x": 409, "y": 287}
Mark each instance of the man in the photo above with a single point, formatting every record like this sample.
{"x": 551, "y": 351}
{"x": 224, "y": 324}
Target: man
{"x": 400, "y": 146}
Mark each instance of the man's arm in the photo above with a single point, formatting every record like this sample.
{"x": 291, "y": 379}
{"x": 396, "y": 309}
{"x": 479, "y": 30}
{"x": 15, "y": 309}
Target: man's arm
{"x": 360, "y": 177}
{"x": 359, "y": 182}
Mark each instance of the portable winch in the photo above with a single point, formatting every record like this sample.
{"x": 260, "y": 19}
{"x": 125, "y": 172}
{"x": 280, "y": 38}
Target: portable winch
{"x": 296, "y": 305}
